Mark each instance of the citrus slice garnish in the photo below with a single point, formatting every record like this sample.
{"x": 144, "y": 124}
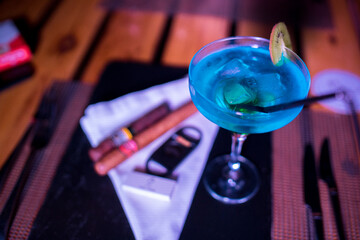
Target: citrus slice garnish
{"x": 279, "y": 39}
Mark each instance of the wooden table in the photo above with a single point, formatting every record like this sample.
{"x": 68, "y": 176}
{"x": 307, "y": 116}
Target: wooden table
{"x": 77, "y": 39}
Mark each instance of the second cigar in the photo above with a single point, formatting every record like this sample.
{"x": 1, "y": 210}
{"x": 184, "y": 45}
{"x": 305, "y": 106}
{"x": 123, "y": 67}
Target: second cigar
{"x": 124, "y": 134}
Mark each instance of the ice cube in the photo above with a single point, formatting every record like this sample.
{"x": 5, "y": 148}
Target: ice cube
{"x": 235, "y": 68}
{"x": 269, "y": 82}
{"x": 236, "y": 93}
{"x": 270, "y": 86}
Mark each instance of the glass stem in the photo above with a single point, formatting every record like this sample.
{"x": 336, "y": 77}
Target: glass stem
{"x": 238, "y": 140}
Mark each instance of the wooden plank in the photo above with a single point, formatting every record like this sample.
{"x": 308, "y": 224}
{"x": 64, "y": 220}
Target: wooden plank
{"x": 354, "y": 8}
{"x": 332, "y": 48}
{"x": 63, "y": 43}
{"x": 252, "y": 28}
{"x": 189, "y": 33}
{"x": 67, "y": 36}
{"x": 263, "y": 30}
{"x": 130, "y": 35}
{"x": 31, "y": 10}
{"x": 336, "y": 47}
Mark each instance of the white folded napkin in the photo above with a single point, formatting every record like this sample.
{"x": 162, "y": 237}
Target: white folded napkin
{"x": 150, "y": 217}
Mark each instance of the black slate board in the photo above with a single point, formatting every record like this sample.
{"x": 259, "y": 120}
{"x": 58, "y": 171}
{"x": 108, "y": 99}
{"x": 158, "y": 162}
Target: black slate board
{"x": 211, "y": 219}
{"x": 82, "y": 205}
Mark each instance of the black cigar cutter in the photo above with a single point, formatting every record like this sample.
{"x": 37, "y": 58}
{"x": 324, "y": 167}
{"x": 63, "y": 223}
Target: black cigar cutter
{"x": 166, "y": 158}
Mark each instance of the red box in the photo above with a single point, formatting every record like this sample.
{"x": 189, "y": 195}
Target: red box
{"x": 13, "y": 49}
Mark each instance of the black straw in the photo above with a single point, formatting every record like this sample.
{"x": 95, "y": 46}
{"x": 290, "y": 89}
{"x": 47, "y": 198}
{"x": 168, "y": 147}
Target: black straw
{"x": 288, "y": 105}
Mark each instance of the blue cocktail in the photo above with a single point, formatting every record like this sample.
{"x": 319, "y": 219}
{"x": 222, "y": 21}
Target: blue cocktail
{"x": 226, "y": 75}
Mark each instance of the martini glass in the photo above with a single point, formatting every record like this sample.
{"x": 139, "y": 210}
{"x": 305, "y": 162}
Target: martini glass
{"x": 228, "y": 74}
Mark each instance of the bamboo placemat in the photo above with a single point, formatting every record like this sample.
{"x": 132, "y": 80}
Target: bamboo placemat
{"x": 72, "y": 98}
{"x": 289, "y": 220}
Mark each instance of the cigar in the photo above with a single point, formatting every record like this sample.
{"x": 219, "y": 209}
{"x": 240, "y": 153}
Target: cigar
{"x": 124, "y": 151}
{"x": 124, "y": 134}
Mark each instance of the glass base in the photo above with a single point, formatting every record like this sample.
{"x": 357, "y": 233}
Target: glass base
{"x": 231, "y": 183}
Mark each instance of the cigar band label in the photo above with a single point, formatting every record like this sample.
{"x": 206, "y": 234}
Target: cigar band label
{"x": 128, "y": 148}
{"x": 121, "y": 136}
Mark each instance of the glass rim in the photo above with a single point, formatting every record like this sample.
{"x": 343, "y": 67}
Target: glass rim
{"x": 227, "y": 39}
{"x": 260, "y": 39}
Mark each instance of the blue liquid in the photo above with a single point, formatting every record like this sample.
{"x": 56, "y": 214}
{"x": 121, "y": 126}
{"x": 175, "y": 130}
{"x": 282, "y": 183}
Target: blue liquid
{"x": 223, "y": 80}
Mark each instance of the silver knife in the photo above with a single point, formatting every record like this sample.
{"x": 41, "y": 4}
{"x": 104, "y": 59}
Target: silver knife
{"x": 311, "y": 192}
{"x": 326, "y": 174}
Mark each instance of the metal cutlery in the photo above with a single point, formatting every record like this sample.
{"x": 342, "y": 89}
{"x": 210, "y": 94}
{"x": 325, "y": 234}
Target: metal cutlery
{"x": 311, "y": 193}
{"x": 326, "y": 174}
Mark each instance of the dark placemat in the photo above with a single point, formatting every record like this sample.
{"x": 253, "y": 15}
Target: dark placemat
{"x": 80, "y": 204}
{"x": 211, "y": 219}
